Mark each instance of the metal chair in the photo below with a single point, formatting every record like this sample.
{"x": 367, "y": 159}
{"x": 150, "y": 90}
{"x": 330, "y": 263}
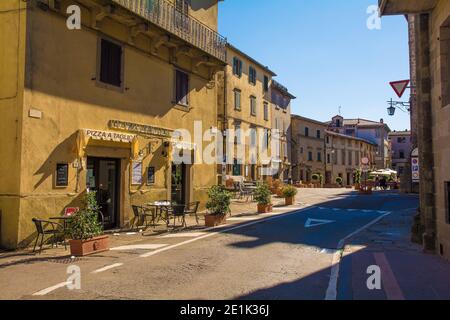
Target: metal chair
{"x": 244, "y": 192}
{"x": 177, "y": 211}
{"x": 56, "y": 230}
{"x": 140, "y": 214}
{"x": 192, "y": 208}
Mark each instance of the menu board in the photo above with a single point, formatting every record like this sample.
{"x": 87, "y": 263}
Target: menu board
{"x": 136, "y": 175}
{"x": 62, "y": 175}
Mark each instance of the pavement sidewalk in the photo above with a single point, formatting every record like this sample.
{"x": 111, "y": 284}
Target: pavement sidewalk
{"x": 407, "y": 273}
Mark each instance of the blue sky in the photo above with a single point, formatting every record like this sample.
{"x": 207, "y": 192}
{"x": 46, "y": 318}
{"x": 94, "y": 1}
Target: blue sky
{"x": 324, "y": 53}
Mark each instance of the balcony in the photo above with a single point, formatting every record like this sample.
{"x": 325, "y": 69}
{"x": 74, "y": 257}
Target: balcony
{"x": 395, "y": 7}
{"x": 166, "y": 16}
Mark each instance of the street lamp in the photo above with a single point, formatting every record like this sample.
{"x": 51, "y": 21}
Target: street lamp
{"x": 391, "y": 110}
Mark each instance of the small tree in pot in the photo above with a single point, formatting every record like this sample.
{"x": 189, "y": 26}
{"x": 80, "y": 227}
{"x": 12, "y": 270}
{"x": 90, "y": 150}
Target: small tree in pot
{"x": 218, "y": 206}
{"x": 262, "y": 196}
{"x": 85, "y": 230}
{"x": 339, "y": 181}
{"x": 289, "y": 193}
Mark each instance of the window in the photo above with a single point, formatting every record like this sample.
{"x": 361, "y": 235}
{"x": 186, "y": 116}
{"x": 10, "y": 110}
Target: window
{"x": 350, "y": 158}
{"x": 237, "y": 129}
{"x": 401, "y": 139}
{"x": 253, "y": 105}
{"x": 402, "y": 154}
{"x": 306, "y": 132}
{"x": 447, "y": 191}
{"x": 328, "y": 158}
{"x": 318, "y": 134}
{"x": 310, "y": 156}
{"x": 252, "y": 75}
{"x": 266, "y": 111}
{"x": 237, "y": 168}
{"x": 319, "y": 156}
{"x": 182, "y": 88}
{"x": 338, "y": 123}
{"x": 266, "y": 83}
{"x": 237, "y": 67}
{"x": 110, "y": 63}
{"x": 328, "y": 139}
{"x": 445, "y": 63}
{"x": 301, "y": 150}
{"x": 237, "y": 99}
{"x": 343, "y": 157}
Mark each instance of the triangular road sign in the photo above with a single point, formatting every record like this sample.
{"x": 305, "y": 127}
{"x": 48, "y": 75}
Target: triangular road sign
{"x": 399, "y": 87}
{"x": 310, "y": 223}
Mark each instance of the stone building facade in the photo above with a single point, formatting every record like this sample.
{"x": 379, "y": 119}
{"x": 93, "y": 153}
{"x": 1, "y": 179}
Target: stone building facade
{"x": 373, "y": 131}
{"x": 402, "y": 147}
{"x": 343, "y": 156}
{"x": 308, "y": 148}
{"x": 281, "y": 123}
{"x": 429, "y": 24}
{"x": 94, "y": 109}
{"x": 244, "y": 103}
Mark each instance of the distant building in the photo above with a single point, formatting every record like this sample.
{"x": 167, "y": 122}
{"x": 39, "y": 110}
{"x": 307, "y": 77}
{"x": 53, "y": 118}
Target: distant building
{"x": 343, "y": 156}
{"x": 308, "y": 148}
{"x": 401, "y": 155}
{"x": 281, "y": 120}
{"x": 373, "y": 131}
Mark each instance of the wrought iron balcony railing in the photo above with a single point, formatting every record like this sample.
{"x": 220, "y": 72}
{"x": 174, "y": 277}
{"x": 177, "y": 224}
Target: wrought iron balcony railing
{"x": 165, "y": 15}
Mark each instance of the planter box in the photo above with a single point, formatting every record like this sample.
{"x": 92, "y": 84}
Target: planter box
{"x": 215, "y": 220}
{"x": 265, "y": 208}
{"x": 79, "y": 248}
{"x": 289, "y": 201}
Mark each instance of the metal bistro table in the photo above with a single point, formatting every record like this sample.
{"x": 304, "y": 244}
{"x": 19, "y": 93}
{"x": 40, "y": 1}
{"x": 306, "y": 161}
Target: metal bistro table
{"x": 160, "y": 207}
{"x": 63, "y": 219}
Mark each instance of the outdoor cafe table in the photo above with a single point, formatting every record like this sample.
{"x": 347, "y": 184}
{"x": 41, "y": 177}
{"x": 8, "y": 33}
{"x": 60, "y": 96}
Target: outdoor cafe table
{"x": 64, "y": 219}
{"x": 161, "y": 206}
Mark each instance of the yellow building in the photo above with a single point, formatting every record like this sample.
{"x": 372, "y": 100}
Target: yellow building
{"x": 343, "y": 156}
{"x": 244, "y": 104}
{"x": 94, "y": 108}
{"x": 308, "y": 148}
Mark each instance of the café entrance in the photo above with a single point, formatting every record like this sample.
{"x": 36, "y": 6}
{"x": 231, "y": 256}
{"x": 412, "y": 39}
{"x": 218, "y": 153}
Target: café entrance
{"x": 103, "y": 177}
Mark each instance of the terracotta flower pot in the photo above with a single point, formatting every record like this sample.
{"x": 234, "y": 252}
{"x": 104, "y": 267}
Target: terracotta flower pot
{"x": 79, "y": 248}
{"x": 215, "y": 220}
{"x": 262, "y": 208}
{"x": 289, "y": 201}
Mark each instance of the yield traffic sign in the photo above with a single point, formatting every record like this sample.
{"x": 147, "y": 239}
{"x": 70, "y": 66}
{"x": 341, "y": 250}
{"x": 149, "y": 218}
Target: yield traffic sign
{"x": 399, "y": 87}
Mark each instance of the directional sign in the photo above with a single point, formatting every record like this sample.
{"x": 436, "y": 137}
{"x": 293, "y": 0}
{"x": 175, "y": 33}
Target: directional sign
{"x": 399, "y": 87}
{"x": 310, "y": 223}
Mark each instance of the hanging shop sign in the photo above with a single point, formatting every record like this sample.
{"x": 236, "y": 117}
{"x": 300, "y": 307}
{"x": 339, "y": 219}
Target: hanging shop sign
{"x": 139, "y": 128}
{"x": 136, "y": 173}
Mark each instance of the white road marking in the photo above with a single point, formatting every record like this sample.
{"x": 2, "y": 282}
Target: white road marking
{"x": 139, "y": 247}
{"x": 332, "y": 284}
{"x": 184, "y": 235}
{"x": 116, "y": 265}
{"x": 311, "y": 223}
{"x": 221, "y": 231}
{"x": 242, "y": 219}
{"x": 52, "y": 288}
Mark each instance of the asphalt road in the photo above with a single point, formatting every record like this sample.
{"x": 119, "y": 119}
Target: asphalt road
{"x": 286, "y": 256}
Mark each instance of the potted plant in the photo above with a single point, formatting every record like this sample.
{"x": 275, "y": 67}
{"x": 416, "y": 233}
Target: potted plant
{"x": 339, "y": 181}
{"x": 289, "y": 193}
{"x": 218, "y": 206}
{"x": 85, "y": 230}
{"x": 275, "y": 188}
{"x": 262, "y": 197}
